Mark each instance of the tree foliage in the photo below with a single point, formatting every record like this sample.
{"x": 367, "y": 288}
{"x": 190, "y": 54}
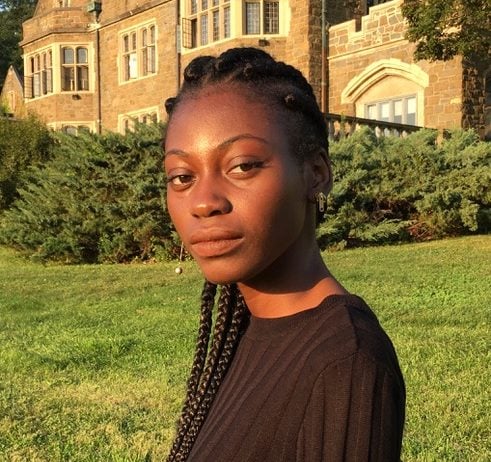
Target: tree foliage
{"x": 99, "y": 199}
{"x": 23, "y": 142}
{"x": 12, "y": 14}
{"x": 443, "y": 29}
{"x": 411, "y": 189}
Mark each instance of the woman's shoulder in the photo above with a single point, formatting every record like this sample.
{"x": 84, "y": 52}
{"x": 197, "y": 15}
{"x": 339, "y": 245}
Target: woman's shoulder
{"x": 344, "y": 328}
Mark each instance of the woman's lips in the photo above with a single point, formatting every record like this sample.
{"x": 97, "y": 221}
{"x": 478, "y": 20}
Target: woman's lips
{"x": 214, "y": 243}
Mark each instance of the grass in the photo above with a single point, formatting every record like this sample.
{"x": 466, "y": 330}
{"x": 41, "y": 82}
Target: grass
{"x": 94, "y": 359}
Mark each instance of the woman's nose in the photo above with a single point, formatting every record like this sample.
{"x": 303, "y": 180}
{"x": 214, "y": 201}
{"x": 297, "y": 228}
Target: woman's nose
{"x": 209, "y": 199}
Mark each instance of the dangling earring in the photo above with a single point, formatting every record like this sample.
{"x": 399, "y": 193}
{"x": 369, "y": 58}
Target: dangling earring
{"x": 178, "y": 270}
{"x": 321, "y": 200}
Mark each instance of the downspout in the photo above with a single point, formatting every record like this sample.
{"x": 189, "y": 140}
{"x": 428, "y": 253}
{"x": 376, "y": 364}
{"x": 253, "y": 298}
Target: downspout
{"x": 324, "y": 68}
{"x": 178, "y": 46}
{"x": 98, "y": 77}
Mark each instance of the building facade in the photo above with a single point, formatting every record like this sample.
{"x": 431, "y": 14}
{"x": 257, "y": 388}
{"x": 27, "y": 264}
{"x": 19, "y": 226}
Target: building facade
{"x": 101, "y": 65}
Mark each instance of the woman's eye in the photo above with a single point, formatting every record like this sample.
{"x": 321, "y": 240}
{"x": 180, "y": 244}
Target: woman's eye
{"x": 246, "y": 166}
{"x": 180, "y": 180}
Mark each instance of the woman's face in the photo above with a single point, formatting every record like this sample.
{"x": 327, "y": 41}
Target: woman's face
{"x": 238, "y": 198}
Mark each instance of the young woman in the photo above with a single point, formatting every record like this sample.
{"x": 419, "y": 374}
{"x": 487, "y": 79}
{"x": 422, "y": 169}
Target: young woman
{"x": 297, "y": 369}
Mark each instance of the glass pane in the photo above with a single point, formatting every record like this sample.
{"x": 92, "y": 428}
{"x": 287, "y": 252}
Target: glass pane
{"x": 126, "y": 44}
{"x": 133, "y": 41}
{"x": 204, "y": 4}
{"x": 69, "y": 130}
{"x": 216, "y": 2}
{"x": 411, "y": 111}
{"x": 194, "y": 6}
{"x": 411, "y": 105}
{"x": 49, "y": 59}
{"x": 144, "y": 37}
{"x": 398, "y": 111}
{"x": 82, "y": 78}
{"x": 385, "y": 111}
{"x": 68, "y": 56}
{"x": 204, "y": 29}
{"x": 372, "y": 111}
{"x": 271, "y": 18}
{"x": 68, "y": 78}
{"x": 252, "y": 18}
{"x": 152, "y": 34}
{"x": 132, "y": 66}
{"x": 216, "y": 25}
{"x": 226, "y": 22}
{"x": 82, "y": 55}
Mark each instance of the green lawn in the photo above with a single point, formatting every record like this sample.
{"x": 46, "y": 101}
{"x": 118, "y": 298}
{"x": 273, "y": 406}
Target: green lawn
{"x": 93, "y": 359}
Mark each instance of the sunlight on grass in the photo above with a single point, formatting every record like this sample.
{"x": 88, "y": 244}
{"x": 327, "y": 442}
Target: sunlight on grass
{"x": 94, "y": 359}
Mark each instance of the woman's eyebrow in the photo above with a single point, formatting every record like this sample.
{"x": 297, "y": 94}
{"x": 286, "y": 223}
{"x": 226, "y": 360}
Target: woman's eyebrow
{"x": 222, "y": 145}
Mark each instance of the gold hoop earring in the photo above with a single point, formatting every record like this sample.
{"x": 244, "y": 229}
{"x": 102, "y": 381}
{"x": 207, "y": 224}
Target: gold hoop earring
{"x": 178, "y": 270}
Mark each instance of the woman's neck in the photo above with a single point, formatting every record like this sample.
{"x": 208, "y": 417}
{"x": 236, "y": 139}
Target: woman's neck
{"x": 301, "y": 288}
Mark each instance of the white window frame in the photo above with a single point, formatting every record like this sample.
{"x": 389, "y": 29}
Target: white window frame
{"x": 391, "y": 104}
{"x": 126, "y": 122}
{"x": 265, "y": 27}
{"x": 138, "y": 56}
{"x": 39, "y": 74}
{"x": 78, "y": 71}
{"x": 205, "y": 22}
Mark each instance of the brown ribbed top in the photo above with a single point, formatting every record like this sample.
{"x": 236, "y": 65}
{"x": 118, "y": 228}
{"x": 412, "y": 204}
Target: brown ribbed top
{"x": 321, "y": 385}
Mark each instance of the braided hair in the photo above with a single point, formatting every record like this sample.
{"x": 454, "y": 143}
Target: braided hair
{"x": 284, "y": 89}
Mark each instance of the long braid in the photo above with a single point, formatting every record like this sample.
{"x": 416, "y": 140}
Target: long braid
{"x": 207, "y": 303}
{"x": 230, "y": 323}
{"x": 284, "y": 88}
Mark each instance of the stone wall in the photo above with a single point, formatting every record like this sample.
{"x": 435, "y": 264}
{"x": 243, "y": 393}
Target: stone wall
{"x": 474, "y": 95}
{"x": 381, "y": 40}
{"x": 119, "y": 97}
{"x": 12, "y": 94}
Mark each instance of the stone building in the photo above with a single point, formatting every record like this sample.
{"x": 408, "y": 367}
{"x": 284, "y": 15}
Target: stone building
{"x": 11, "y": 97}
{"x": 103, "y": 64}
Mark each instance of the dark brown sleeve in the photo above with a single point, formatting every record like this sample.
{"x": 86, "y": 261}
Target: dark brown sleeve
{"x": 355, "y": 414}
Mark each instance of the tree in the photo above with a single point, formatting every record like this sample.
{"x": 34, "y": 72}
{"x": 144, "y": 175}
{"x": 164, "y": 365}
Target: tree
{"x": 12, "y": 14}
{"x": 443, "y": 29}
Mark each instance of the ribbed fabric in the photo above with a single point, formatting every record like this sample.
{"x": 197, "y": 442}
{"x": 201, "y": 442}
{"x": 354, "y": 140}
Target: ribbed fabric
{"x": 321, "y": 385}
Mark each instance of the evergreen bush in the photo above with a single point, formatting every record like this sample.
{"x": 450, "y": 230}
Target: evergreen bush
{"x": 99, "y": 199}
{"x": 23, "y": 142}
{"x": 407, "y": 189}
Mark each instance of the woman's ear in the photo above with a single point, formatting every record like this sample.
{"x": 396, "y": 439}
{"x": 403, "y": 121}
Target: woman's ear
{"x": 318, "y": 168}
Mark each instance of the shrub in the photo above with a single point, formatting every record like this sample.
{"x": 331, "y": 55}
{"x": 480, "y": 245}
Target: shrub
{"x": 402, "y": 189}
{"x": 23, "y": 143}
{"x": 99, "y": 199}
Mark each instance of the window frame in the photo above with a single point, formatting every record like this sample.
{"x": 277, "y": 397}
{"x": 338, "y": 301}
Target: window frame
{"x": 391, "y": 102}
{"x": 264, "y": 26}
{"x": 205, "y": 22}
{"x": 76, "y": 71}
{"x": 138, "y": 57}
{"x": 126, "y": 122}
{"x": 39, "y": 78}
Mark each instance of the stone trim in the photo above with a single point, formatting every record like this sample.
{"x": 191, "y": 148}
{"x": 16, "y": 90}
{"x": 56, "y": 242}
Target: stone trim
{"x": 377, "y": 71}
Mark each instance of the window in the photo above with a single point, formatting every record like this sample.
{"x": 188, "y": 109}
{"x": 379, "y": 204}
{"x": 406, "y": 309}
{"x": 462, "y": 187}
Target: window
{"x": 75, "y": 129}
{"x": 205, "y": 21}
{"x": 127, "y": 121}
{"x": 400, "y": 110}
{"x": 63, "y": 3}
{"x": 74, "y": 69}
{"x": 148, "y": 50}
{"x": 138, "y": 51}
{"x": 39, "y": 78}
{"x": 262, "y": 17}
